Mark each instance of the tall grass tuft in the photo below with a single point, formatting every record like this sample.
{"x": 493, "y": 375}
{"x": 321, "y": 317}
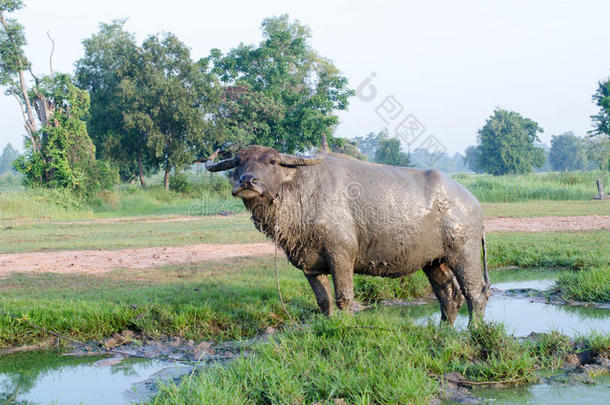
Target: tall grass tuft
{"x": 535, "y": 186}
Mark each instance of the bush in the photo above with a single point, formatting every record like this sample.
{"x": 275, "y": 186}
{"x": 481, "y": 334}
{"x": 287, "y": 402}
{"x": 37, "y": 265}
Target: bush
{"x": 179, "y": 183}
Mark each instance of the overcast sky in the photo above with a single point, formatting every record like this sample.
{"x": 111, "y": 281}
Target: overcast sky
{"x": 447, "y": 63}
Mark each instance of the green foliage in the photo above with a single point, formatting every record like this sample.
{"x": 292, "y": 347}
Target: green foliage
{"x": 587, "y": 285}
{"x": 601, "y": 120}
{"x": 179, "y": 183}
{"x": 598, "y": 151}
{"x": 281, "y": 92}
{"x": 507, "y": 144}
{"x": 9, "y": 154}
{"x": 12, "y": 42}
{"x": 167, "y": 102}
{"x": 368, "y": 144}
{"x": 66, "y": 157}
{"x": 388, "y": 152}
{"x": 567, "y": 152}
{"x": 109, "y": 59}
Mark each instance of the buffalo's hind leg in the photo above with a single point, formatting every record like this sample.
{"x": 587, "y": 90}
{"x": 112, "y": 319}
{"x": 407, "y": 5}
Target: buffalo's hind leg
{"x": 321, "y": 288}
{"x": 446, "y": 289}
{"x": 467, "y": 267}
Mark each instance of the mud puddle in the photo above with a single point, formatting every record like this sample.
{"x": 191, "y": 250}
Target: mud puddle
{"x": 83, "y": 376}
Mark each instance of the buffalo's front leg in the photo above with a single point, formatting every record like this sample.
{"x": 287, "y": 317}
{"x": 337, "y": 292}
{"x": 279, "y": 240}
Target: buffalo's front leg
{"x": 321, "y": 288}
{"x": 343, "y": 281}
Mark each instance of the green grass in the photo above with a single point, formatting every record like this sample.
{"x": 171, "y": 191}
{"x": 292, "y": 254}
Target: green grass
{"x": 561, "y": 250}
{"x": 228, "y": 300}
{"x": 543, "y": 208}
{"x": 395, "y": 361}
{"x": 591, "y": 285}
{"x": 56, "y": 236}
{"x": 535, "y": 186}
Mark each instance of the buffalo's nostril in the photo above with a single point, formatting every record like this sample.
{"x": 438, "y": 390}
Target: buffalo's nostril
{"x": 247, "y": 179}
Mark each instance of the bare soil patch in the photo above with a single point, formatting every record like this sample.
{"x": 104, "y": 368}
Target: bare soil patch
{"x": 100, "y": 261}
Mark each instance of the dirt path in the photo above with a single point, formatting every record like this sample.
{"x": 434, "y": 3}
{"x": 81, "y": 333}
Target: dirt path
{"x": 100, "y": 261}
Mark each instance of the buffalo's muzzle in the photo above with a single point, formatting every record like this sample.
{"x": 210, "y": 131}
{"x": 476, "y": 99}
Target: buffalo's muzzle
{"x": 247, "y": 186}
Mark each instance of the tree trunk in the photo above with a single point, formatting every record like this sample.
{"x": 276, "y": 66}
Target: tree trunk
{"x": 31, "y": 122}
{"x": 140, "y": 171}
{"x": 166, "y": 179}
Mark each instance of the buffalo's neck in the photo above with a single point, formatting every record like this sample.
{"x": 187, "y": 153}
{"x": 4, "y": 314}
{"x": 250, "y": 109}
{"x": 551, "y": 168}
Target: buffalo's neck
{"x": 279, "y": 219}
{"x": 263, "y": 215}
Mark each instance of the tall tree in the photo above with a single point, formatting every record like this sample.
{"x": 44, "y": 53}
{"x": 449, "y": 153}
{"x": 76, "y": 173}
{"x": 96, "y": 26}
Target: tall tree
{"x": 167, "y": 102}
{"x": 13, "y": 67}
{"x": 388, "y": 152}
{"x": 59, "y": 152}
{"x": 9, "y": 154}
{"x": 300, "y": 90}
{"x": 111, "y": 58}
{"x": 507, "y": 144}
{"x": 567, "y": 152}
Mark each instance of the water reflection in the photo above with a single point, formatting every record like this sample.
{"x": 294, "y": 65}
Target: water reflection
{"x": 43, "y": 377}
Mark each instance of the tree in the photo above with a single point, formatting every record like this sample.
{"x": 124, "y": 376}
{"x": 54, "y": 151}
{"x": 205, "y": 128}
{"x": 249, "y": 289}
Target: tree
{"x": 388, "y": 152}
{"x": 471, "y": 158}
{"x": 368, "y": 144}
{"x": 299, "y": 90}
{"x": 598, "y": 151}
{"x": 601, "y": 120}
{"x": 111, "y": 57}
{"x": 59, "y": 152}
{"x": 167, "y": 102}
{"x": 567, "y": 152}
{"x": 9, "y": 154}
{"x": 507, "y": 144}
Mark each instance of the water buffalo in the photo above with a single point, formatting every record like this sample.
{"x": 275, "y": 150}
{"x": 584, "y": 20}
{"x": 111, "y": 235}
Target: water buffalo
{"x": 336, "y": 215}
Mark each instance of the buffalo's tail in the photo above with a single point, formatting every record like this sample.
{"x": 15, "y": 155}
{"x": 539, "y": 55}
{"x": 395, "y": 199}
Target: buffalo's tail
{"x": 485, "y": 275}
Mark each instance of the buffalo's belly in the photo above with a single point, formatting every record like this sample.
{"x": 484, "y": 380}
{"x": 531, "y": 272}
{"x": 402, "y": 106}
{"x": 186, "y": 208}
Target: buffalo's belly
{"x": 383, "y": 268}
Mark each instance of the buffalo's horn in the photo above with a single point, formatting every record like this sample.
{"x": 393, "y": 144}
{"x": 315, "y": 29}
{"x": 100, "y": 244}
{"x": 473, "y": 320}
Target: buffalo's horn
{"x": 294, "y": 160}
{"x": 225, "y": 164}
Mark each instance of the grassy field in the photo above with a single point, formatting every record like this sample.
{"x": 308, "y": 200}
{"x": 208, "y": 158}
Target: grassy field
{"x": 236, "y": 298}
{"x": 219, "y": 301}
{"x": 55, "y": 236}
